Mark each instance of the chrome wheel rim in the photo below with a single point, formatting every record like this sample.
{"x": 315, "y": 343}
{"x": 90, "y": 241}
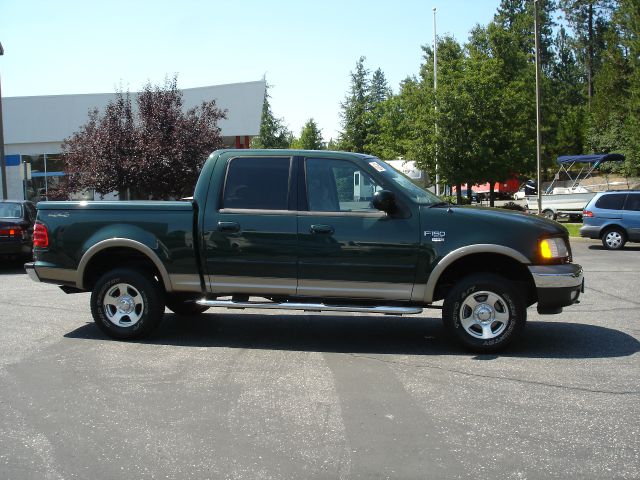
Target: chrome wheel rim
{"x": 484, "y": 315}
{"x": 123, "y": 305}
{"x": 613, "y": 239}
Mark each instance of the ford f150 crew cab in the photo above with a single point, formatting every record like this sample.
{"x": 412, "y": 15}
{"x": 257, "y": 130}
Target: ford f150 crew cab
{"x": 306, "y": 230}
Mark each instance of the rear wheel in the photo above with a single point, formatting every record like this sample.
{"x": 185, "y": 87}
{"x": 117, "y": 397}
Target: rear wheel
{"x": 484, "y": 313}
{"x": 614, "y": 238}
{"x": 126, "y": 304}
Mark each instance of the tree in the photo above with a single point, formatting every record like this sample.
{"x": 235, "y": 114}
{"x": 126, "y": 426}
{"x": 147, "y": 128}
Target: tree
{"x": 589, "y": 19}
{"x": 355, "y": 111}
{"x": 379, "y": 93}
{"x": 273, "y": 131}
{"x": 310, "y": 137}
{"x": 155, "y": 150}
{"x": 615, "y": 109}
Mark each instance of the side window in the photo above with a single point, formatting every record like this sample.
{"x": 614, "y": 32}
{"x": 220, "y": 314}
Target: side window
{"x": 260, "y": 183}
{"x": 338, "y": 186}
{"x": 633, "y": 202}
{"x": 611, "y": 201}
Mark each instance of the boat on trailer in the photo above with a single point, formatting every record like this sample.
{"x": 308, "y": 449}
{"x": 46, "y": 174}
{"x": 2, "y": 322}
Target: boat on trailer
{"x": 570, "y": 200}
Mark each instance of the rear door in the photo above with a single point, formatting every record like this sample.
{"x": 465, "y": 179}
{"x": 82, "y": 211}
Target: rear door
{"x": 250, "y": 234}
{"x": 631, "y": 216}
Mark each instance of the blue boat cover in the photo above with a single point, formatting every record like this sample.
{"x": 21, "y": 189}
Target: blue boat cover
{"x": 591, "y": 158}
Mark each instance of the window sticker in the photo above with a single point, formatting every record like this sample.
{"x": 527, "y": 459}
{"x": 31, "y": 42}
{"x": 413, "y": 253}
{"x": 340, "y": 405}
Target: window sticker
{"x": 377, "y": 166}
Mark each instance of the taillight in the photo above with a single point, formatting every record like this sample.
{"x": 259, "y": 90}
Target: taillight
{"x": 587, "y": 213}
{"x": 40, "y": 236}
{"x": 12, "y": 232}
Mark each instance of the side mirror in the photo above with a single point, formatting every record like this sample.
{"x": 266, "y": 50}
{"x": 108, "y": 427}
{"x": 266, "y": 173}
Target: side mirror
{"x": 384, "y": 200}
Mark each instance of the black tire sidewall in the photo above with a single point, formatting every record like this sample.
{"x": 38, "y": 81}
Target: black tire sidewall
{"x": 150, "y": 292}
{"x": 491, "y": 283}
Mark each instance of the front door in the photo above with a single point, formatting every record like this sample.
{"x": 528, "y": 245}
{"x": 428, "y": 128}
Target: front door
{"x": 250, "y": 237}
{"x": 346, "y": 247}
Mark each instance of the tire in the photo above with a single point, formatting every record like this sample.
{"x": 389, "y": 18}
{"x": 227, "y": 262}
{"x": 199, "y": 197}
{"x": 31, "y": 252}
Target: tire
{"x": 484, "y": 313}
{"x": 614, "y": 238}
{"x": 185, "y": 306}
{"x": 127, "y": 304}
{"x": 550, "y": 214}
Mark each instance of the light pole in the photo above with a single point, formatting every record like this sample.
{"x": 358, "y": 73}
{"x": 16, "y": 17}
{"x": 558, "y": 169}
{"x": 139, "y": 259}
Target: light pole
{"x": 435, "y": 88}
{"x": 538, "y": 136}
{"x": 3, "y": 166}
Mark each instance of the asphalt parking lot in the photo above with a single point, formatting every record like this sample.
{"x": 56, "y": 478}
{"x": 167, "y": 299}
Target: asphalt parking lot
{"x": 277, "y": 395}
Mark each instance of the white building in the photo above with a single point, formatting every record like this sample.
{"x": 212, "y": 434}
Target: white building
{"x": 35, "y": 127}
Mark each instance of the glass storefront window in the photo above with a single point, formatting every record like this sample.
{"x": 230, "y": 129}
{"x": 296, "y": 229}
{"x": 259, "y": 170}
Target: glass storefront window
{"x": 54, "y": 164}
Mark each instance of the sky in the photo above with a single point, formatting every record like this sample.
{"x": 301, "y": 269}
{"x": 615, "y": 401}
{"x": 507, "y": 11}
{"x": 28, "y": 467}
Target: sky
{"x": 305, "y": 49}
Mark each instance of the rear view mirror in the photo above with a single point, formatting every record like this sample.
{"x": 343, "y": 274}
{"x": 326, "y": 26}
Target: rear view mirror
{"x": 384, "y": 200}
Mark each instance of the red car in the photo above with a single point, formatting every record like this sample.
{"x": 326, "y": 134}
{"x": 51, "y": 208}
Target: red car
{"x": 16, "y": 228}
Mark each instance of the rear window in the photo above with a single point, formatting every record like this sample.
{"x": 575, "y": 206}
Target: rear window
{"x": 260, "y": 183}
{"x": 633, "y": 202}
{"x": 10, "y": 210}
{"x": 611, "y": 201}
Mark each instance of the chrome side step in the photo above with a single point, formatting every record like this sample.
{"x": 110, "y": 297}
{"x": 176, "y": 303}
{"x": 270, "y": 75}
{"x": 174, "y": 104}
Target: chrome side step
{"x": 311, "y": 307}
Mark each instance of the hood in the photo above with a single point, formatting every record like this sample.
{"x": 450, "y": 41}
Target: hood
{"x": 499, "y": 216}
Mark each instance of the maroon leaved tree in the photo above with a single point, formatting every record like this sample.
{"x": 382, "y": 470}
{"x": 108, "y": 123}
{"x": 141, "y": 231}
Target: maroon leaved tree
{"x": 153, "y": 150}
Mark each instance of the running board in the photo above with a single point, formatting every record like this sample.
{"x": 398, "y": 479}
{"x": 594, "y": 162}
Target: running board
{"x": 311, "y": 307}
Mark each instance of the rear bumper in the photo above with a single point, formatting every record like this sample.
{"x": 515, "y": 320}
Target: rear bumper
{"x": 15, "y": 248}
{"x": 590, "y": 231}
{"x": 31, "y": 271}
{"x": 557, "y": 286}
{"x": 45, "y": 273}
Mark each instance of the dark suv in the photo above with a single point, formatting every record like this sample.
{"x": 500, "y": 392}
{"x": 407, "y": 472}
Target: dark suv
{"x": 613, "y": 217}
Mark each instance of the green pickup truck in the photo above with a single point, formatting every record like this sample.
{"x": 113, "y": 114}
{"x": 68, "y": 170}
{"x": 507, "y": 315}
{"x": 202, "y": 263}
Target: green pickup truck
{"x": 312, "y": 231}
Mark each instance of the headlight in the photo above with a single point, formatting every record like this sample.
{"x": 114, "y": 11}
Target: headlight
{"x": 553, "y": 249}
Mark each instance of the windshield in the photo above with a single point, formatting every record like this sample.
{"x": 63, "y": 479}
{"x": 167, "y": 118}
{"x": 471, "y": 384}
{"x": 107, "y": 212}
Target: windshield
{"x": 417, "y": 194}
{"x": 10, "y": 210}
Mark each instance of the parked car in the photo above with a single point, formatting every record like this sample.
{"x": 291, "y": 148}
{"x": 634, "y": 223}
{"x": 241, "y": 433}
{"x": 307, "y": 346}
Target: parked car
{"x": 310, "y": 241}
{"x": 613, "y": 217}
{"x": 16, "y": 228}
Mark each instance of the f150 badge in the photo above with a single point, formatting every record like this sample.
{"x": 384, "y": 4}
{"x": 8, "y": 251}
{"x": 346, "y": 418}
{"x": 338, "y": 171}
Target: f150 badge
{"x": 436, "y": 236}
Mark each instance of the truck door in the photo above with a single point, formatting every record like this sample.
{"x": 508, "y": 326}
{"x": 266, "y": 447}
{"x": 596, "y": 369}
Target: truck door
{"x": 346, "y": 247}
{"x": 250, "y": 234}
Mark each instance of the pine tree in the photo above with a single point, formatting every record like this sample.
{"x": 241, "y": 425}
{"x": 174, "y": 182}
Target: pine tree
{"x": 273, "y": 131}
{"x": 310, "y": 137}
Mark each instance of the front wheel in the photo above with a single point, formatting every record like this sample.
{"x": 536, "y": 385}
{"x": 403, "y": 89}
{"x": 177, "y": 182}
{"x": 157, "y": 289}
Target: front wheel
{"x": 484, "y": 313}
{"x": 126, "y": 304}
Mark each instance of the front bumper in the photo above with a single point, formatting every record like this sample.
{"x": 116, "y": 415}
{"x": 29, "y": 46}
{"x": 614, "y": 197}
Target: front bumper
{"x": 557, "y": 286}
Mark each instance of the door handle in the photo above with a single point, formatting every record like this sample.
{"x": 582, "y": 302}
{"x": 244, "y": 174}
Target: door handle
{"x": 228, "y": 227}
{"x": 322, "y": 229}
